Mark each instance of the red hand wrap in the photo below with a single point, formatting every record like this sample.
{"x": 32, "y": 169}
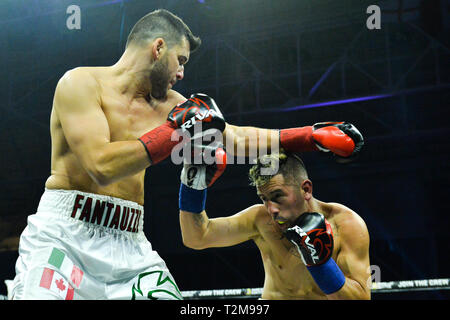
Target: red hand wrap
{"x": 298, "y": 139}
{"x": 158, "y": 143}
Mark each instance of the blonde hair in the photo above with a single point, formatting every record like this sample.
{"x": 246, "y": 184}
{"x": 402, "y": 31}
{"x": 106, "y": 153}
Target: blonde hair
{"x": 289, "y": 165}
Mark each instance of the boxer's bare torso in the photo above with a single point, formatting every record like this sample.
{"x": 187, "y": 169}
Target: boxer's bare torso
{"x": 117, "y": 115}
{"x": 286, "y": 276}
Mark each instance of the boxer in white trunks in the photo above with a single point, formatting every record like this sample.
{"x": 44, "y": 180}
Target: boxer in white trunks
{"x": 108, "y": 124}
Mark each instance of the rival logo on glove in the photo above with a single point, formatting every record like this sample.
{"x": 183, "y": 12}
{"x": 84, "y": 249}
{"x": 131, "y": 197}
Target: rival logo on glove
{"x": 305, "y": 241}
{"x": 199, "y": 111}
{"x": 313, "y": 237}
{"x": 321, "y": 247}
{"x": 199, "y": 116}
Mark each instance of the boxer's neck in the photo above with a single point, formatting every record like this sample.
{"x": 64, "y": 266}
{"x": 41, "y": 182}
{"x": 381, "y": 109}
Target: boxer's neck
{"x": 132, "y": 72}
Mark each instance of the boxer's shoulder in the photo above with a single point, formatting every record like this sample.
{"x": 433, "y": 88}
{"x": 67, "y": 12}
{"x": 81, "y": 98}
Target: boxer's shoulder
{"x": 341, "y": 213}
{"x": 348, "y": 225}
{"x": 83, "y": 80}
{"x": 260, "y": 216}
{"x": 250, "y": 217}
{"x": 82, "y": 75}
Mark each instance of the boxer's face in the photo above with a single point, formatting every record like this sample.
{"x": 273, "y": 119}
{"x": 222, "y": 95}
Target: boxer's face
{"x": 169, "y": 69}
{"x": 159, "y": 78}
{"x": 284, "y": 202}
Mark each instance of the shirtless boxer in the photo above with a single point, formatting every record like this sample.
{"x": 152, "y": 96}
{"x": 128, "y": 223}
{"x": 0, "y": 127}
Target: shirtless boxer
{"x": 108, "y": 124}
{"x": 310, "y": 249}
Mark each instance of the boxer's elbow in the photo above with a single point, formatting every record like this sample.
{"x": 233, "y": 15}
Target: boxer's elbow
{"x": 194, "y": 229}
{"x": 363, "y": 293}
{"x": 101, "y": 172}
{"x": 194, "y": 240}
{"x": 352, "y": 290}
{"x": 101, "y": 179}
{"x": 194, "y": 243}
{"x": 97, "y": 175}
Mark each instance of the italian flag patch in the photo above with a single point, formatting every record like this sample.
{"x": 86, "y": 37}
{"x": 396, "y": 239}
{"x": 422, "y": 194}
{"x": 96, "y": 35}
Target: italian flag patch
{"x": 54, "y": 281}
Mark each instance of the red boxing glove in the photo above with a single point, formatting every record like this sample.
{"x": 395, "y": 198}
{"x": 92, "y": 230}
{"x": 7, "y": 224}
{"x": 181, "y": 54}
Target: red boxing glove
{"x": 219, "y": 165}
{"x": 341, "y": 138}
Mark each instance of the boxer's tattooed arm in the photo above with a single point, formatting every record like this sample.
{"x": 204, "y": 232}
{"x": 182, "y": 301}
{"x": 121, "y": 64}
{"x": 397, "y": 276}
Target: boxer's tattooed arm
{"x": 199, "y": 219}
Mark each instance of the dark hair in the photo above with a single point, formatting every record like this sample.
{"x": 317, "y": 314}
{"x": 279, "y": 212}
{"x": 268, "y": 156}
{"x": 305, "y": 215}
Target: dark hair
{"x": 289, "y": 165}
{"x": 164, "y": 24}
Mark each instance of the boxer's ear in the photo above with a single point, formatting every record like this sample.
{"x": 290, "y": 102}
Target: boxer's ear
{"x": 307, "y": 189}
{"x": 158, "y": 46}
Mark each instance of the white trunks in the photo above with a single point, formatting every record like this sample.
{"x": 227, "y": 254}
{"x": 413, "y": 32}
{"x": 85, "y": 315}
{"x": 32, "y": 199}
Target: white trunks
{"x": 86, "y": 246}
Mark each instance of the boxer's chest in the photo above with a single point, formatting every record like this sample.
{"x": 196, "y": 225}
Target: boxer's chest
{"x": 283, "y": 262}
{"x": 130, "y": 119}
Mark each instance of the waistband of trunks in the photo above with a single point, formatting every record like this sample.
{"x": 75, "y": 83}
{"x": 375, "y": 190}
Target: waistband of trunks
{"x": 91, "y": 208}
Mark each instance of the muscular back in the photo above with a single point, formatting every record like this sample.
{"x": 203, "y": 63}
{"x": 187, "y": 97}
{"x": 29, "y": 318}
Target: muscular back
{"x": 94, "y": 125}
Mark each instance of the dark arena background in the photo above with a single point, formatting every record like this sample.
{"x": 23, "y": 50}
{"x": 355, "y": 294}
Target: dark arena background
{"x": 271, "y": 64}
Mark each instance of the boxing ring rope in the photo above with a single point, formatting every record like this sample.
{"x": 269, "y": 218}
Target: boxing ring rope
{"x": 377, "y": 287}
{"x": 255, "y": 293}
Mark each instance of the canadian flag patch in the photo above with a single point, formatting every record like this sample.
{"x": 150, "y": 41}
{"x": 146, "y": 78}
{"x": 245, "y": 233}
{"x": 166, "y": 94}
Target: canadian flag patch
{"x": 56, "y": 281}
